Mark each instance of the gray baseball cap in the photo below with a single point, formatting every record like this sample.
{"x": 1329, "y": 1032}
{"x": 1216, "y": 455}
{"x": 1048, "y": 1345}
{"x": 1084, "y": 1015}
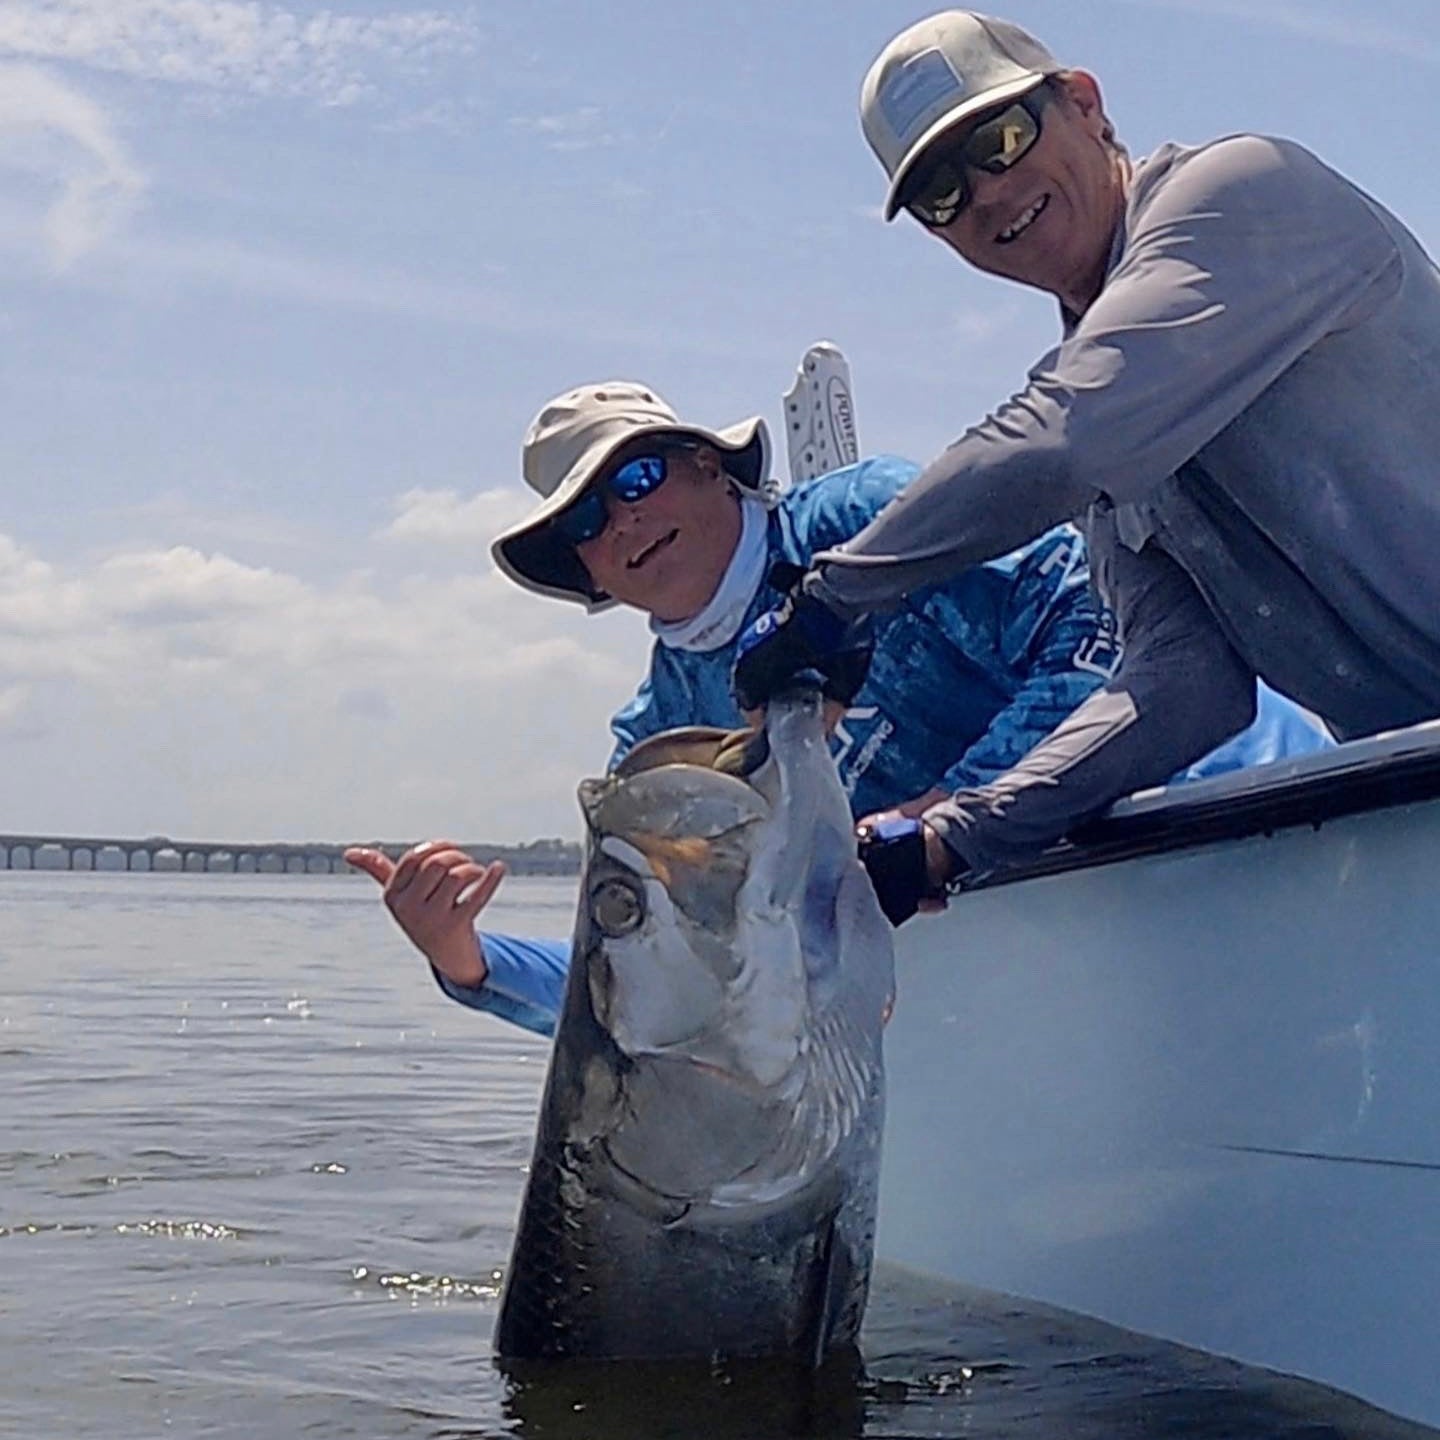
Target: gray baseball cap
{"x": 568, "y": 445}
{"x": 938, "y": 73}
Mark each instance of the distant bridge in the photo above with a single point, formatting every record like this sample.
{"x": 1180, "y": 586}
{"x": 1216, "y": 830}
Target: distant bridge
{"x": 160, "y": 853}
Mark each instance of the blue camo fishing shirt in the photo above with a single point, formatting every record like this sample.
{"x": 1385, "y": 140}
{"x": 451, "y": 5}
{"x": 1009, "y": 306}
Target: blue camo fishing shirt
{"x": 966, "y": 677}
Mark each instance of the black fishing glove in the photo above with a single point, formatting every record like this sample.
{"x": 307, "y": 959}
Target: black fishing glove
{"x": 800, "y": 635}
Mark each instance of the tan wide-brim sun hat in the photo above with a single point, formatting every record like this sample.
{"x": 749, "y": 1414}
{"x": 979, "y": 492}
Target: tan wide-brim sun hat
{"x": 936, "y": 75}
{"x": 569, "y": 444}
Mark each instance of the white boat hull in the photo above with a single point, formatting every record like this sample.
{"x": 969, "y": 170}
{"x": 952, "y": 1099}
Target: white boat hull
{"x": 1196, "y": 1091}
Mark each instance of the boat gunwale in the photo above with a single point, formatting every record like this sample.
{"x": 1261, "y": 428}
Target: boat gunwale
{"x": 1399, "y": 767}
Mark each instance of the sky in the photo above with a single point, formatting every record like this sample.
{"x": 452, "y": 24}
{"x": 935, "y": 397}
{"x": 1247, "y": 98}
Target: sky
{"x": 282, "y": 284}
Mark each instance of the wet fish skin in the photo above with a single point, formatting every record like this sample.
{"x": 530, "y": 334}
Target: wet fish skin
{"x": 707, "y": 1156}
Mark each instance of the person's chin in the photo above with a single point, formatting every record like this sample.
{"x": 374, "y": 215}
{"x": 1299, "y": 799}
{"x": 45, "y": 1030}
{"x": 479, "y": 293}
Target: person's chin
{"x": 661, "y": 600}
{"x": 1039, "y": 270}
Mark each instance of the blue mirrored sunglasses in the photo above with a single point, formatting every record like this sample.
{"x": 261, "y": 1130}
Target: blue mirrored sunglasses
{"x": 630, "y": 482}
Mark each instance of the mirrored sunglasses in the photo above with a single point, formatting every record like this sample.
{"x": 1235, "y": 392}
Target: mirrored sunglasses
{"x": 631, "y": 482}
{"x": 938, "y": 190}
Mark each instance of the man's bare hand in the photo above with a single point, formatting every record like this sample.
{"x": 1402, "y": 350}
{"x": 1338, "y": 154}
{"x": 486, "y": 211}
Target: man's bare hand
{"x": 912, "y": 809}
{"x": 435, "y": 891}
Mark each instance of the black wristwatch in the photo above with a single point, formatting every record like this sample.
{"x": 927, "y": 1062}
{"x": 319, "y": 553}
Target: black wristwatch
{"x": 892, "y": 850}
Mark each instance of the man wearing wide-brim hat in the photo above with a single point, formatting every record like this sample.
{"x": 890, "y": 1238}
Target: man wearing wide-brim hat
{"x": 573, "y": 451}
{"x": 683, "y": 522}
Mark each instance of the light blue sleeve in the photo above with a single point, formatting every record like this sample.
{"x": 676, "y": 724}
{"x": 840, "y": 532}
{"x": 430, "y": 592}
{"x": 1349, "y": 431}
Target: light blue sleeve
{"x": 665, "y": 699}
{"x": 827, "y": 511}
{"x": 525, "y": 983}
{"x": 634, "y": 722}
{"x": 1281, "y": 730}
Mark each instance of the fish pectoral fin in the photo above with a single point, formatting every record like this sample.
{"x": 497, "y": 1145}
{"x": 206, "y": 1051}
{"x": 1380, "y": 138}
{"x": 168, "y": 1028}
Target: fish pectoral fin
{"x": 829, "y": 1280}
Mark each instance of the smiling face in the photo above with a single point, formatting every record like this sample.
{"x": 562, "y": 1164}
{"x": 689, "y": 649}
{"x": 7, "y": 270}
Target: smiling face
{"x": 1048, "y": 221}
{"x": 666, "y": 554}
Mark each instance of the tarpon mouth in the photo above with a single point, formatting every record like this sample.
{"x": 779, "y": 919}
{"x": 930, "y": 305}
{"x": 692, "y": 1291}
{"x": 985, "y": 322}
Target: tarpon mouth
{"x": 732, "y": 752}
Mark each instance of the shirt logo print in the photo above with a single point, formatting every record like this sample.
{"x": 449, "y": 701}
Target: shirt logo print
{"x": 842, "y": 742}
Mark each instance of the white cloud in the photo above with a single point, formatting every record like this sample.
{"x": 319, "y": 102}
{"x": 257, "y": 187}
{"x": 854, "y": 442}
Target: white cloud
{"x": 189, "y": 692}
{"x": 54, "y": 133}
{"x": 184, "y": 584}
{"x": 124, "y": 621}
{"x": 233, "y": 45}
{"x": 443, "y": 516}
{"x": 582, "y": 129}
{"x": 13, "y": 700}
{"x": 330, "y": 281}
{"x": 975, "y": 326}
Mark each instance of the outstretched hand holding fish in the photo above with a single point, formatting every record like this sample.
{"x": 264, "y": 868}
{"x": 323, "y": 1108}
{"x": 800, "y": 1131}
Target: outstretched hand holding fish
{"x": 707, "y": 1157}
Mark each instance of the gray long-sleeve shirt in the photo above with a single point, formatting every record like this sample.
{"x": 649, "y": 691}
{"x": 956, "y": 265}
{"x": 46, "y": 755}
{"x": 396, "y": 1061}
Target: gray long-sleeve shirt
{"x": 1246, "y": 421}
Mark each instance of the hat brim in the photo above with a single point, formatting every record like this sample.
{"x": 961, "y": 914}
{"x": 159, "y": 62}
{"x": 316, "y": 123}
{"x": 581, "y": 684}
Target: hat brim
{"x": 997, "y": 95}
{"x": 533, "y": 555}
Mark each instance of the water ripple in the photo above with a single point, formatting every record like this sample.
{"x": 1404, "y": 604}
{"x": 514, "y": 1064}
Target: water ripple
{"x": 181, "y": 1229}
{"x": 418, "y": 1286}
{"x": 174, "y": 1229}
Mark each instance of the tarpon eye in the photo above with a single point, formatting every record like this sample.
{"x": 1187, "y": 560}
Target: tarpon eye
{"x": 618, "y": 907}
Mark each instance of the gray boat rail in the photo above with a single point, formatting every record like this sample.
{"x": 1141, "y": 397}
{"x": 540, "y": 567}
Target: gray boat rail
{"x": 1398, "y": 768}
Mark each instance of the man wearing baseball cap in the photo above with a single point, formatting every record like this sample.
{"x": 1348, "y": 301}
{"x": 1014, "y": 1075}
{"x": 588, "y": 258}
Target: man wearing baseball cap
{"x": 1241, "y": 415}
{"x": 683, "y": 523}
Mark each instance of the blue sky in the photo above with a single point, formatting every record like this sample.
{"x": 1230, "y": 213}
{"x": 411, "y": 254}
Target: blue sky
{"x": 283, "y": 283}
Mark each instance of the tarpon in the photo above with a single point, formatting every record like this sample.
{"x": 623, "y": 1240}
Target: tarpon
{"x": 706, "y": 1162}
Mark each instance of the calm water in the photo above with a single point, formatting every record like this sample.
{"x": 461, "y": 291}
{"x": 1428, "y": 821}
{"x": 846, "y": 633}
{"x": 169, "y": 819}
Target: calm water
{"x": 258, "y": 1178}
